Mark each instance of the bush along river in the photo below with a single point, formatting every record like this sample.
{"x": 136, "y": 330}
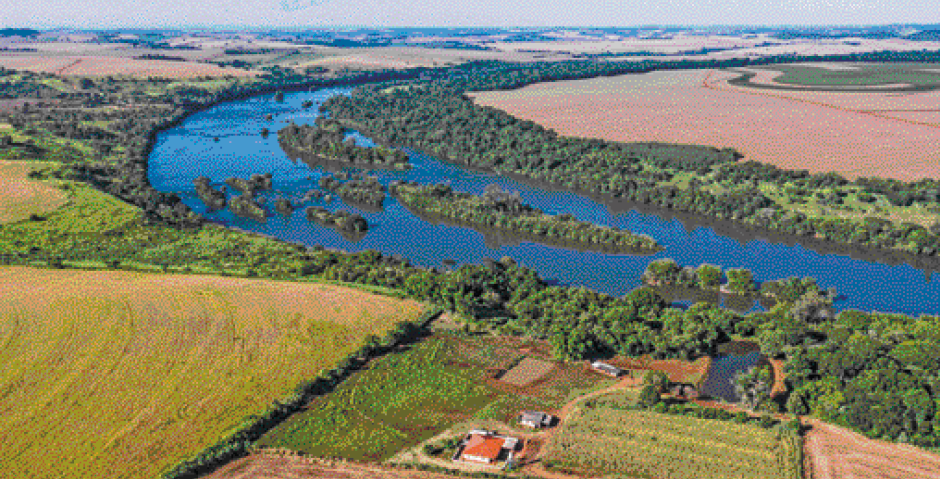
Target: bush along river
{"x": 239, "y": 139}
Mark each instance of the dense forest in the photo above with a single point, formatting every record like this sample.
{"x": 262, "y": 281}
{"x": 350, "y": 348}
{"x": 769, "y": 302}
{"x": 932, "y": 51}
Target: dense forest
{"x": 502, "y": 210}
{"x": 327, "y": 139}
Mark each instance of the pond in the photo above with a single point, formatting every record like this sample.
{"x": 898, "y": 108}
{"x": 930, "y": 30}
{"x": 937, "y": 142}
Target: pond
{"x": 864, "y": 280}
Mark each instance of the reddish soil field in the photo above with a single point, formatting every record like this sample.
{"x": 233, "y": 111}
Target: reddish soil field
{"x": 817, "y": 131}
{"x": 94, "y": 66}
{"x": 276, "y": 466}
{"x": 835, "y": 453}
{"x": 678, "y": 371}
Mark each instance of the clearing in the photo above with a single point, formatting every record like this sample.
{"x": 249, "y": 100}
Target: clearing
{"x": 816, "y": 131}
{"x": 21, "y": 197}
{"x": 113, "y": 374}
{"x": 836, "y": 453}
{"x": 603, "y": 436}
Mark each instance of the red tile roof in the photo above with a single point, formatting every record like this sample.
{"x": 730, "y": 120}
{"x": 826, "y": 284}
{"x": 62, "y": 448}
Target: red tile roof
{"x": 484, "y": 446}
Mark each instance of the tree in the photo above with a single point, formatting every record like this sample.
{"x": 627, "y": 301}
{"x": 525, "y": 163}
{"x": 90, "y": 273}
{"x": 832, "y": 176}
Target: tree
{"x": 658, "y": 380}
{"x": 649, "y": 396}
{"x": 740, "y": 281}
{"x": 709, "y": 276}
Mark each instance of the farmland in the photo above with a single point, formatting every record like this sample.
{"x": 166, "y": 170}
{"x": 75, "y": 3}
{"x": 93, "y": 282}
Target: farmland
{"x": 21, "y": 197}
{"x": 606, "y": 438}
{"x": 794, "y": 130}
{"x": 118, "y": 374}
{"x": 836, "y": 453}
{"x": 409, "y": 396}
{"x": 527, "y": 372}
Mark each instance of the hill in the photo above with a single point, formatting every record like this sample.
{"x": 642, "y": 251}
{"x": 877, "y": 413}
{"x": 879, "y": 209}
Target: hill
{"x": 121, "y": 375}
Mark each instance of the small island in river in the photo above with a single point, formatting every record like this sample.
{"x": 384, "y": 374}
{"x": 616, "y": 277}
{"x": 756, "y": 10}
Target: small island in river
{"x": 499, "y": 210}
{"x": 327, "y": 140}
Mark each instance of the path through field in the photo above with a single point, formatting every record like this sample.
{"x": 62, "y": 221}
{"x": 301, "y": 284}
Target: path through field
{"x": 836, "y": 453}
{"x": 269, "y": 465}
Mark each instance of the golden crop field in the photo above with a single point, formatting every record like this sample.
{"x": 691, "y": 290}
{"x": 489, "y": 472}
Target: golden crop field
{"x": 116, "y": 374}
{"x": 603, "y": 440}
{"x": 21, "y": 197}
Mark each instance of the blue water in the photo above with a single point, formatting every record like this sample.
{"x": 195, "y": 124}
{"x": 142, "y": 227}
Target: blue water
{"x": 721, "y": 375}
{"x": 183, "y": 153}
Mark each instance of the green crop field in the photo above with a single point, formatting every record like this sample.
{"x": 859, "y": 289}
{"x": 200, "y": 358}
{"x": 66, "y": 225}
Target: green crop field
{"x": 924, "y": 75}
{"x": 121, "y": 375}
{"x": 605, "y": 438}
{"x": 401, "y": 400}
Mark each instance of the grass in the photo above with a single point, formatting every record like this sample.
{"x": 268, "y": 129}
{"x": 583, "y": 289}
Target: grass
{"x": 606, "y": 437}
{"x": 121, "y": 375}
{"x": 21, "y": 197}
{"x": 863, "y": 75}
{"x": 401, "y": 400}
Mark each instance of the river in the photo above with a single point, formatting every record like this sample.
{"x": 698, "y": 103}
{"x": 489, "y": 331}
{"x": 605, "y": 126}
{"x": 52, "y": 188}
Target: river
{"x": 866, "y": 281}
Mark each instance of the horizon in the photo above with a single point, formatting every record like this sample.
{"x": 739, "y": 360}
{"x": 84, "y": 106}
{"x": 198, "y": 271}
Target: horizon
{"x": 222, "y": 28}
{"x": 212, "y": 14}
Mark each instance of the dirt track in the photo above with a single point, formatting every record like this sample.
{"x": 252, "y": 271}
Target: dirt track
{"x": 836, "y": 453}
{"x": 276, "y": 466}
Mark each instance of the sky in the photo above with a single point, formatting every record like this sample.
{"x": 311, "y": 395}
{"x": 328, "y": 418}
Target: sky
{"x": 413, "y": 13}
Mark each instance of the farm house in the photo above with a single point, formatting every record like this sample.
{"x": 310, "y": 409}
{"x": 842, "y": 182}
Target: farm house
{"x": 486, "y": 448}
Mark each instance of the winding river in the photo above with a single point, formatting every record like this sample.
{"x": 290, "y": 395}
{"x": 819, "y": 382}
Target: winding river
{"x": 865, "y": 280}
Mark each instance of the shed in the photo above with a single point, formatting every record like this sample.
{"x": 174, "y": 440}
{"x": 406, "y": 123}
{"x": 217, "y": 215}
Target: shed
{"x": 607, "y": 369}
{"x": 535, "y": 419}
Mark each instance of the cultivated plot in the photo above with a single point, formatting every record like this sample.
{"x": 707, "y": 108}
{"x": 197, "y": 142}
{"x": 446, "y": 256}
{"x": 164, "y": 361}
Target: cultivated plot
{"x": 604, "y": 440}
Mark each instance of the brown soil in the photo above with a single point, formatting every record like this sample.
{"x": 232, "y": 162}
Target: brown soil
{"x": 836, "y": 453}
{"x": 677, "y": 370}
{"x": 817, "y": 131}
{"x": 95, "y": 66}
{"x": 268, "y": 465}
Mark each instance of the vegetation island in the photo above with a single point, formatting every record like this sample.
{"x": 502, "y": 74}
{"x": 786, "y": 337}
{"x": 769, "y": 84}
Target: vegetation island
{"x": 327, "y": 140}
{"x": 505, "y": 211}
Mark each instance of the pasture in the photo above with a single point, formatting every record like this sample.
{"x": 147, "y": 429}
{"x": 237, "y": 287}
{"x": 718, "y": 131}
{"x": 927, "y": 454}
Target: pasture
{"x": 21, "y": 197}
{"x": 606, "y": 438}
{"x": 924, "y": 76}
{"x": 121, "y": 375}
{"x": 816, "y": 131}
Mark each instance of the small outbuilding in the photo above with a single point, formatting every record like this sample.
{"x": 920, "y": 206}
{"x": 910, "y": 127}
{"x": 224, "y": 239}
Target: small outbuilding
{"x": 535, "y": 419}
{"x": 607, "y": 369}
